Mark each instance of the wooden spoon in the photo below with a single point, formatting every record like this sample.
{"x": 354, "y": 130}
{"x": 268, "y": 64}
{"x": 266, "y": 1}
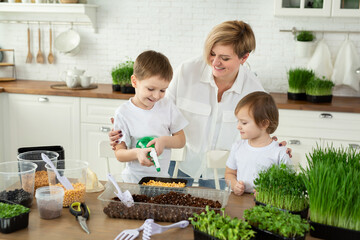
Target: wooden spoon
{"x": 29, "y": 56}
{"x": 39, "y": 56}
{"x": 51, "y": 56}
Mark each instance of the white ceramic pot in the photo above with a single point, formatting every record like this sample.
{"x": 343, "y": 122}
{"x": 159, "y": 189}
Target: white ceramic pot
{"x": 304, "y": 49}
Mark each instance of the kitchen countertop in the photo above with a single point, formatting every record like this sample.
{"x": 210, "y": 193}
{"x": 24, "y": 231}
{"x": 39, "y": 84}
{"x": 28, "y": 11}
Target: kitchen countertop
{"x": 103, "y": 227}
{"x": 338, "y": 104}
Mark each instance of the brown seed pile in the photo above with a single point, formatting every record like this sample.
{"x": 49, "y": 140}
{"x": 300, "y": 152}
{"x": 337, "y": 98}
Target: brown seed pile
{"x": 74, "y": 195}
{"x": 160, "y": 208}
{"x": 41, "y": 179}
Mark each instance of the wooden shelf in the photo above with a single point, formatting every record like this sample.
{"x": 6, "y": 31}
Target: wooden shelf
{"x": 29, "y": 12}
{"x": 7, "y": 79}
{"x": 6, "y": 64}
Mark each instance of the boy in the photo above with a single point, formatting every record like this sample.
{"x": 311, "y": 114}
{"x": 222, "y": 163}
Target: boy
{"x": 148, "y": 113}
{"x": 258, "y": 117}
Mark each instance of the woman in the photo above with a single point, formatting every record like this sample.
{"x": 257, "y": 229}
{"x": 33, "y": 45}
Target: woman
{"x": 206, "y": 90}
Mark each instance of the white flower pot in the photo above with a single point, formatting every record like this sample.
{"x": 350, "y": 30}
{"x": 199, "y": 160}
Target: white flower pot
{"x": 304, "y": 49}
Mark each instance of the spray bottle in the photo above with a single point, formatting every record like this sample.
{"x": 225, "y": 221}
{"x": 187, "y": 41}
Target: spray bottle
{"x": 152, "y": 154}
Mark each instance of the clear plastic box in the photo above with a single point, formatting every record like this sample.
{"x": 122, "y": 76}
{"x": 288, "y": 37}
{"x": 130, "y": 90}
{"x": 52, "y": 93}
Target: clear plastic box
{"x": 159, "y": 212}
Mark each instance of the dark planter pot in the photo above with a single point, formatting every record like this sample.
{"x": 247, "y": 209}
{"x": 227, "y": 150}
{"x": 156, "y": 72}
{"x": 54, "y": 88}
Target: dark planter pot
{"x": 332, "y": 233}
{"x": 202, "y": 236}
{"x": 9, "y": 225}
{"x": 266, "y": 235}
{"x": 296, "y": 96}
{"x": 128, "y": 89}
{"x": 116, "y": 87}
{"x": 303, "y": 213}
{"x": 319, "y": 99}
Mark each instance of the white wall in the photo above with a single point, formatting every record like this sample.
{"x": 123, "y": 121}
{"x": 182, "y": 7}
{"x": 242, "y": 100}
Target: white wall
{"x": 176, "y": 28}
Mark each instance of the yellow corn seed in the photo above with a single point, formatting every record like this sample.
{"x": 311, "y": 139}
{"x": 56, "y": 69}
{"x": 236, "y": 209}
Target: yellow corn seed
{"x": 163, "y": 184}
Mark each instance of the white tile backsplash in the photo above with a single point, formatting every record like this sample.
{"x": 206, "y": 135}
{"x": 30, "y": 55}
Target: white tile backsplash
{"x": 178, "y": 29}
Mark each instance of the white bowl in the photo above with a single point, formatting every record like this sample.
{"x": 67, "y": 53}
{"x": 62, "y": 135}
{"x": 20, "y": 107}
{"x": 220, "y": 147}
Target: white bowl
{"x": 68, "y": 42}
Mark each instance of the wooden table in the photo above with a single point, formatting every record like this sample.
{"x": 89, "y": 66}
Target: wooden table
{"x": 102, "y": 227}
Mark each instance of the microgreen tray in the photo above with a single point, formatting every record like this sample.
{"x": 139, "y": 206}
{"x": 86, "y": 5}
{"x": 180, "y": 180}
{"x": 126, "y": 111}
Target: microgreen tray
{"x": 303, "y": 213}
{"x": 332, "y": 233}
{"x": 198, "y": 235}
{"x": 266, "y": 235}
{"x": 12, "y": 224}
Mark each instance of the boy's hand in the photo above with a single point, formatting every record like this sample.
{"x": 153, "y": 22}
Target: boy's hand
{"x": 239, "y": 188}
{"x": 159, "y": 145}
{"x": 114, "y": 136}
{"x": 143, "y": 158}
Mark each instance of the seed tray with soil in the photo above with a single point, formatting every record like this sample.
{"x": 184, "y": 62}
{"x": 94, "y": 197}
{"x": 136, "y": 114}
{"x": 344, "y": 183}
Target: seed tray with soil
{"x": 166, "y": 206}
{"x": 19, "y": 196}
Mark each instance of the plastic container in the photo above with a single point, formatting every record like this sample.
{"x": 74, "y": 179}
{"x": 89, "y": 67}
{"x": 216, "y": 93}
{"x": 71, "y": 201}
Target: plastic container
{"x": 12, "y": 224}
{"x": 152, "y": 190}
{"x": 75, "y": 171}
{"x": 49, "y": 201}
{"x": 198, "y": 235}
{"x": 303, "y": 214}
{"x": 158, "y": 212}
{"x": 266, "y": 235}
{"x": 41, "y": 177}
{"x": 17, "y": 180}
{"x": 59, "y": 149}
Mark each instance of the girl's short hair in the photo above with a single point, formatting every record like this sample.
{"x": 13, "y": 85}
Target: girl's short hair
{"x": 262, "y": 108}
{"x": 238, "y": 34}
{"x": 151, "y": 63}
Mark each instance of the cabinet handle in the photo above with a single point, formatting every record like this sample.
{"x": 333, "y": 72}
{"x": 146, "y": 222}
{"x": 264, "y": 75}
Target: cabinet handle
{"x": 354, "y": 145}
{"x": 325, "y": 115}
{"x": 43, "y": 99}
{"x": 105, "y": 129}
{"x": 294, "y": 142}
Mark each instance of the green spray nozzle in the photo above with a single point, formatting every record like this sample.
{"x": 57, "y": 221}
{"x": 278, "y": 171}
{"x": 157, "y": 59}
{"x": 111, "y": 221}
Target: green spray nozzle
{"x": 142, "y": 143}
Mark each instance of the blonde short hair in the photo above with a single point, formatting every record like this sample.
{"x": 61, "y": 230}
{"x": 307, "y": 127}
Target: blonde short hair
{"x": 235, "y": 33}
{"x": 151, "y": 63}
{"x": 263, "y": 109}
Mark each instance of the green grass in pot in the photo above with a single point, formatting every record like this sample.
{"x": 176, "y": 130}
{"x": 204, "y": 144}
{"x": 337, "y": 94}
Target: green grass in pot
{"x": 305, "y": 36}
{"x": 221, "y": 226}
{"x": 332, "y": 180}
{"x": 12, "y": 210}
{"x": 121, "y": 74}
{"x": 319, "y": 87}
{"x": 281, "y": 187}
{"x": 298, "y": 78}
{"x": 276, "y": 221}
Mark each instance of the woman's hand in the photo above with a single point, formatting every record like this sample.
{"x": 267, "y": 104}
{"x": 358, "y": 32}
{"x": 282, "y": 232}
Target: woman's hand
{"x": 114, "y": 136}
{"x": 283, "y": 143}
{"x": 239, "y": 188}
{"x": 142, "y": 156}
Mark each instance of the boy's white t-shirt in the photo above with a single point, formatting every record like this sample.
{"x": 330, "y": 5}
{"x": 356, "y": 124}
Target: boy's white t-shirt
{"x": 249, "y": 161}
{"x": 163, "y": 119}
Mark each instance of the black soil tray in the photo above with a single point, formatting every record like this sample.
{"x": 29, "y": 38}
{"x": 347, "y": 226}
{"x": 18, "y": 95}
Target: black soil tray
{"x": 296, "y": 96}
{"x": 153, "y": 190}
{"x": 198, "y": 235}
{"x": 266, "y": 235}
{"x": 9, "y": 225}
{"x": 303, "y": 213}
{"x": 331, "y": 232}
{"x": 319, "y": 99}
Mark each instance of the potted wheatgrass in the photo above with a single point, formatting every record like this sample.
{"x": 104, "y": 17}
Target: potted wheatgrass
{"x": 319, "y": 90}
{"x": 332, "y": 179}
{"x": 297, "y": 80}
{"x": 281, "y": 187}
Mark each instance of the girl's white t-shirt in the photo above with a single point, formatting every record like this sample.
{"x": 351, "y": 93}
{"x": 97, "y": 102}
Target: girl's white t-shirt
{"x": 249, "y": 161}
{"x": 163, "y": 119}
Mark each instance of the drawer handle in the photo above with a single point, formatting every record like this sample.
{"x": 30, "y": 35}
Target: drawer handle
{"x": 105, "y": 129}
{"x": 326, "y": 115}
{"x": 43, "y": 99}
{"x": 354, "y": 145}
{"x": 294, "y": 142}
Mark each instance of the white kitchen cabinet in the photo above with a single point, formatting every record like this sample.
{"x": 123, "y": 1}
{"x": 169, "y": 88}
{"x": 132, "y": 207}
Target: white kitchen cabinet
{"x": 301, "y": 8}
{"x": 345, "y": 8}
{"x": 95, "y": 125}
{"x": 37, "y": 120}
{"x": 304, "y": 129}
{"x": 2, "y": 126}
